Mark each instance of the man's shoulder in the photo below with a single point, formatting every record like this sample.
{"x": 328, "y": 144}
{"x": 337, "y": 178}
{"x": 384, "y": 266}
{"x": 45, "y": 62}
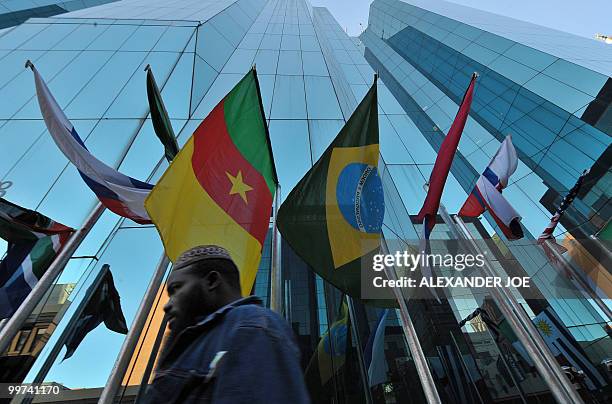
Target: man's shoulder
{"x": 255, "y": 315}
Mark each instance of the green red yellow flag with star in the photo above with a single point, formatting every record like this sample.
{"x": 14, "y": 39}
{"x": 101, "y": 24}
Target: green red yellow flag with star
{"x": 219, "y": 188}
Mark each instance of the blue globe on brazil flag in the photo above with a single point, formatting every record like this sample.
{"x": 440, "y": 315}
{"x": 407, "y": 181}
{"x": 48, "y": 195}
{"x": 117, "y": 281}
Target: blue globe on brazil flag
{"x": 334, "y": 342}
{"x": 360, "y": 197}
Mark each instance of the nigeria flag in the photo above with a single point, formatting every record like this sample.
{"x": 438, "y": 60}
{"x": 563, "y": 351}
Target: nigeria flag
{"x": 333, "y": 217}
{"x": 33, "y": 242}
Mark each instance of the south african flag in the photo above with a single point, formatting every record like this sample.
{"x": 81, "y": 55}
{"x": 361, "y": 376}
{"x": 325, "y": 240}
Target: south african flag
{"x": 33, "y": 242}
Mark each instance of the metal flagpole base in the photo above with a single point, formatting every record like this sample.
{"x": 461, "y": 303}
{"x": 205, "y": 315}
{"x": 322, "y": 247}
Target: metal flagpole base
{"x": 14, "y": 324}
{"x": 362, "y": 368}
{"x": 521, "y": 324}
{"x": 127, "y": 349}
{"x": 276, "y": 279}
{"x": 425, "y": 377}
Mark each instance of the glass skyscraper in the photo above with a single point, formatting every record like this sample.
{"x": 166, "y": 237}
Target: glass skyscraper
{"x": 550, "y": 90}
{"x": 14, "y": 12}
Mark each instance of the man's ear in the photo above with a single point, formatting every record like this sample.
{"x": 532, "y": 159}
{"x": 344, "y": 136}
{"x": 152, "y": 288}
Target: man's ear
{"x": 213, "y": 280}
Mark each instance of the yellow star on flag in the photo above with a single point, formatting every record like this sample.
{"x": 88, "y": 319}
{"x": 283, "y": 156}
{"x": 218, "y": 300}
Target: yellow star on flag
{"x": 238, "y": 185}
{"x": 544, "y": 327}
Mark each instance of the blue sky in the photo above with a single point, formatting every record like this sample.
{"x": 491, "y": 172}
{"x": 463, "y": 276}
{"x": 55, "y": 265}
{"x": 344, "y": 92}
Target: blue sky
{"x": 580, "y": 18}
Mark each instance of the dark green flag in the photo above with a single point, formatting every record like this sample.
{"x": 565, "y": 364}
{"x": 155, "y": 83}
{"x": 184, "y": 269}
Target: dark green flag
{"x": 333, "y": 217}
{"x": 103, "y": 306}
{"x": 159, "y": 116}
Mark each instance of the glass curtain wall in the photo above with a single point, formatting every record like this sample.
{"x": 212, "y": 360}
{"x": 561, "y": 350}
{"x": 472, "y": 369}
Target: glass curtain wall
{"x": 312, "y": 75}
{"x": 426, "y": 59}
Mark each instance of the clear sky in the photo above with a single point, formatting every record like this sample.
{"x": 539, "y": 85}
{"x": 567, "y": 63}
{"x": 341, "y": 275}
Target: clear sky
{"x": 584, "y": 18}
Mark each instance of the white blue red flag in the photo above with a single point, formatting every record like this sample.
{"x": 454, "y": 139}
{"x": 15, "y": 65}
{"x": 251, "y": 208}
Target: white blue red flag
{"x": 487, "y": 194}
{"x": 121, "y": 194}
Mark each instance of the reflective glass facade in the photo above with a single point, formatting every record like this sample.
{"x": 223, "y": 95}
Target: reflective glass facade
{"x": 15, "y": 12}
{"x": 555, "y": 106}
{"x": 312, "y": 75}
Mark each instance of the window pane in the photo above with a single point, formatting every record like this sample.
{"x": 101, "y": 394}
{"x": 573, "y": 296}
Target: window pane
{"x": 289, "y": 99}
{"x": 240, "y": 61}
{"x": 291, "y": 150}
{"x": 314, "y": 64}
{"x": 290, "y": 62}
{"x": 321, "y": 98}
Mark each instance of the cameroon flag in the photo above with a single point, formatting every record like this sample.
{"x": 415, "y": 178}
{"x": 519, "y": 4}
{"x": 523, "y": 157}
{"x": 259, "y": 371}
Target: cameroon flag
{"x": 333, "y": 217}
{"x": 219, "y": 188}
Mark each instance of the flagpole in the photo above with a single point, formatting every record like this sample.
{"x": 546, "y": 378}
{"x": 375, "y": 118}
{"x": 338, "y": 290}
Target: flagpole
{"x": 507, "y": 365}
{"x": 360, "y": 359}
{"x": 499, "y": 350}
{"x": 414, "y": 345}
{"x": 545, "y": 362}
{"x": 57, "y": 346}
{"x": 14, "y": 324}
{"x": 131, "y": 340}
{"x": 276, "y": 279}
{"x": 155, "y": 351}
{"x": 465, "y": 367}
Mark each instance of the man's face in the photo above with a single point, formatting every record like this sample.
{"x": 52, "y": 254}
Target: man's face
{"x": 188, "y": 299}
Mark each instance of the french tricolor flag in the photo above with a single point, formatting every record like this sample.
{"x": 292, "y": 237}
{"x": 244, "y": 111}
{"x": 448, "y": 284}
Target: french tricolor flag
{"x": 487, "y": 194}
{"x": 122, "y": 194}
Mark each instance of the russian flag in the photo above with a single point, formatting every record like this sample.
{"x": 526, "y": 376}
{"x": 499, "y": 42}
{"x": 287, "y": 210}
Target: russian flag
{"x": 487, "y": 194}
{"x": 121, "y": 194}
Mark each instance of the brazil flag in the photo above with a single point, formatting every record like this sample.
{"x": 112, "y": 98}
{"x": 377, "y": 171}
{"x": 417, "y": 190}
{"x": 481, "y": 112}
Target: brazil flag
{"x": 333, "y": 217}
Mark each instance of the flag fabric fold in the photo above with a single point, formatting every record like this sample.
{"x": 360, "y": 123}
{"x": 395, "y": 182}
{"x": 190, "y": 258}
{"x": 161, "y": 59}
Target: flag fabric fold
{"x": 119, "y": 193}
{"x": 33, "y": 242}
{"x": 564, "y": 346}
{"x": 333, "y": 217}
{"x": 159, "y": 117}
{"x": 442, "y": 166}
{"x": 103, "y": 306}
{"x": 220, "y": 187}
{"x": 374, "y": 353}
{"x": 487, "y": 193}
{"x": 439, "y": 174}
{"x": 330, "y": 355}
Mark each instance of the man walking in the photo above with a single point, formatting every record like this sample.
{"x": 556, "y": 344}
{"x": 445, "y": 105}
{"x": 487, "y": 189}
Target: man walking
{"x": 223, "y": 348}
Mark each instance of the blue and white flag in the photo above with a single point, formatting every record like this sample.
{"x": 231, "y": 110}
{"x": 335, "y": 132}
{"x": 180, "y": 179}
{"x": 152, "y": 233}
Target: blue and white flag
{"x": 562, "y": 343}
{"x": 121, "y": 194}
{"x": 374, "y": 354}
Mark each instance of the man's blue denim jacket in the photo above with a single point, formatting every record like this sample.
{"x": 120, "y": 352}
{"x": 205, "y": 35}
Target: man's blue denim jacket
{"x": 260, "y": 364}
